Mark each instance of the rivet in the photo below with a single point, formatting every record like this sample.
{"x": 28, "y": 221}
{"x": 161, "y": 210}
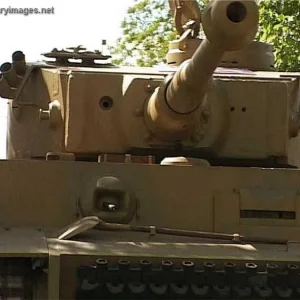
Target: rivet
{"x": 149, "y": 88}
{"x": 148, "y": 136}
{"x": 138, "y": 112}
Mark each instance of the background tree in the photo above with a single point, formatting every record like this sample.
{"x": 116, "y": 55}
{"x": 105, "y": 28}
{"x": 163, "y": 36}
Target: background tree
{"x": 279, "y": 25}
{"x": 148, "y": 27}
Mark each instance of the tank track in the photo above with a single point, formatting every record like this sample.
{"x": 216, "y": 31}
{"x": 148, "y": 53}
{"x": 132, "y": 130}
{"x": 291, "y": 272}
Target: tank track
{"x": 188, "y": 280}
{"x": 15, "y": 278}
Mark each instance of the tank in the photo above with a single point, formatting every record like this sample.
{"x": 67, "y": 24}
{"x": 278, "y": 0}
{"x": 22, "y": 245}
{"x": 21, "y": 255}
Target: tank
{"x": 179, "y": 181}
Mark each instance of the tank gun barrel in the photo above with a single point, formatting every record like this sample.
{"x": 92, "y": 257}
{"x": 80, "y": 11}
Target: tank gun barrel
{"x": 228, "y": 26}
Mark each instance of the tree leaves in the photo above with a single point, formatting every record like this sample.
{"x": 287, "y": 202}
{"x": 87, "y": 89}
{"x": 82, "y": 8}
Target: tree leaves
{"x": 148, "y": 28}
{"x": 279, "y": 25}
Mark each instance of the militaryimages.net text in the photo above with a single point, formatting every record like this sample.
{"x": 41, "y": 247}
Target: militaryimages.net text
{"x": 6, "y": 11}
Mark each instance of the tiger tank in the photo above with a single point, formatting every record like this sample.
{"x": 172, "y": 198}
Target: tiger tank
{"x": 179, "y": 181}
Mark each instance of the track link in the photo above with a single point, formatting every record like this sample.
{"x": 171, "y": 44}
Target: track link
{"x": 188, "y": 280}
{"x": 15, "y": 278}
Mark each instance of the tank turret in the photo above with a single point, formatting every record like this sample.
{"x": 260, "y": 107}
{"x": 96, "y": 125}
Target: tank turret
{"x": 199, "y": 105}
{"x": 173, "y": 110}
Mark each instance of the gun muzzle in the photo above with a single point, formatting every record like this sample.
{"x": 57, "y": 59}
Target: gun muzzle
{"x": 231, "y": 25}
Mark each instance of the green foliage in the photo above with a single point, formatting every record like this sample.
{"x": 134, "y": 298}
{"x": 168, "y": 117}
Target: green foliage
{"x": 148, "y": 27}
{"x": 280, "y": 26}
